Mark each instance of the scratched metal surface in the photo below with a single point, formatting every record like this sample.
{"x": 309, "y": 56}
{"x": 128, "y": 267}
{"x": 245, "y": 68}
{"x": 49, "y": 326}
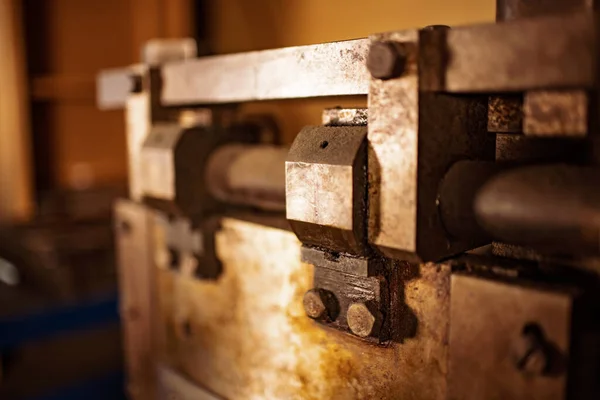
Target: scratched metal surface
{"x": 327, "y": 69}
{"x": 245, "y": 335}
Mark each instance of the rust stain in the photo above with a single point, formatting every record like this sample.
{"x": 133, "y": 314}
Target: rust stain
{"x": 247, "y": 336}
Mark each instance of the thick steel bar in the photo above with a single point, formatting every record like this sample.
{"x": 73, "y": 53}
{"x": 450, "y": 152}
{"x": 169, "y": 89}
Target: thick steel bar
{"x": 250, "y": 175}
{"x": 327, "y": 69}
{"x": 508, "y": 10}
{"x": 546, "y": 52}
{"x": 558, "y": 53}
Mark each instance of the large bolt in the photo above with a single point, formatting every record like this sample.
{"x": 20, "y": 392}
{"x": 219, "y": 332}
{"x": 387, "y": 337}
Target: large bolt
{"x": 530, "y": 351}
{"x": 364, "y": 319}
{"x": 321, "y": 305}
{"x": 386, "y": 60}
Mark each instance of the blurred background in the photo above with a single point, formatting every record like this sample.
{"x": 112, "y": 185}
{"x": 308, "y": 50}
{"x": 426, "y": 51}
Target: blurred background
{"x": 63, "y": 162}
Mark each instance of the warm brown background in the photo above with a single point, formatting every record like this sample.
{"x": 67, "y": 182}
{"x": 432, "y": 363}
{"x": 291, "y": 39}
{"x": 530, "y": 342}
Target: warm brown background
{"x": 68, "y": 41}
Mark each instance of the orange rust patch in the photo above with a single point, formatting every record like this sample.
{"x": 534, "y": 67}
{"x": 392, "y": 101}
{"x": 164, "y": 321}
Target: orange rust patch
{"x": 249, "y": 338}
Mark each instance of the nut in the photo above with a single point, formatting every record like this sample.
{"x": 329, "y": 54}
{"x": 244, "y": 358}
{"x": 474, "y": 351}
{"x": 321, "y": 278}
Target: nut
{"x": 321, "y": 305}
{"x": 386, "y": 60}
{"x": 364, "y": 319}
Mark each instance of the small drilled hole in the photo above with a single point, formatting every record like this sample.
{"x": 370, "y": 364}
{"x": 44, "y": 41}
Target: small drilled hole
{"x": 324, "y": 144}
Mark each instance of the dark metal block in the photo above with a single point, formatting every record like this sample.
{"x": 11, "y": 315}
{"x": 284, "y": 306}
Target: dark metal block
{"x": 414, "y": 138}
{"x": 505, "y": 114}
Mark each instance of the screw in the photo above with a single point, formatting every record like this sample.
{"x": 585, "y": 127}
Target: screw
{"x": 531, "y": 352}
{"x": 364, "y": 319}
{"x": 386, "y": 60}
{"x": 321, "y": 305}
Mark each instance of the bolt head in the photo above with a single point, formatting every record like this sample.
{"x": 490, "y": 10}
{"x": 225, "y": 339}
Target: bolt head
{"x": 363, "y": 320}
{"x": 386, "y": 60}
{"x": 320, "y": 304}
{"x": 314, "y": 306}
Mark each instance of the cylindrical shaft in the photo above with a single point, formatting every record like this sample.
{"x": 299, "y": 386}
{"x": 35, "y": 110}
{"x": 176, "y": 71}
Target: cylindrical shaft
{"x": 457, "y": 194}
{"x": 250, "y": 175}
{"x": 555, "y": 208}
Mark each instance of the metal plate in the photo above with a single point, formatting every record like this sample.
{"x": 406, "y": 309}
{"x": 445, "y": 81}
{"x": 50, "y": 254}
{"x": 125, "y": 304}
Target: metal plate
{"x": 134, "y": 246}
{"x": 328, "y": 69}
{"x": 558, "y": 53}
{"x": 487, "y": 317}
{"x": 393, "y": 158}
{"x": 551, "y": 113}
{"x": 245, "y": 336}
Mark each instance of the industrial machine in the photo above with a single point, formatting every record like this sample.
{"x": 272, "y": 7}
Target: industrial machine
{"x": 440, "y": 243}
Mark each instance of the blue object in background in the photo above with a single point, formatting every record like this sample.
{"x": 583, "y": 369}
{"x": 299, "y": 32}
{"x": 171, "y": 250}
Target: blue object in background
{"x": 19, "y": 329}
{"x": 59, "y": 319}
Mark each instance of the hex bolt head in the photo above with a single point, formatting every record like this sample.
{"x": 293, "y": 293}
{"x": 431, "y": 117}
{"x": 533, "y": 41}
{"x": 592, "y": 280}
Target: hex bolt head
{"x": 386, "y": 60}
{"x": 321, "y": 305}
{"x": 364, "y": 319}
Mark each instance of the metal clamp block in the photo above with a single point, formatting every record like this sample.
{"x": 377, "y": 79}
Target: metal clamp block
{"x": 326, "y": 188}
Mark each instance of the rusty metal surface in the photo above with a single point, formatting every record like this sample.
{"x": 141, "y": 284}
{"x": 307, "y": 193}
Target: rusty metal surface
{"x": 351, "y": 289}
{"x": 345, "y": 116}
{"x": 414, "y": 139}
{"x": 358, "y": 266}
{"x": 528, "y": 149}
{"x": 556, "y": 113}
{"x": 558, "y": 52}
{"x": 250, "y": 175}
{"x": 326, "y": 187}
{"x": 393, "y": 143}
{"x": 246, "y": 336}
{"x": 507, "y": 10}
{"x": 488, "y": 321}
{"x": 133, "y": 227}
{"x": 328, "y": 69}
{"x": 505, "y": 114}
